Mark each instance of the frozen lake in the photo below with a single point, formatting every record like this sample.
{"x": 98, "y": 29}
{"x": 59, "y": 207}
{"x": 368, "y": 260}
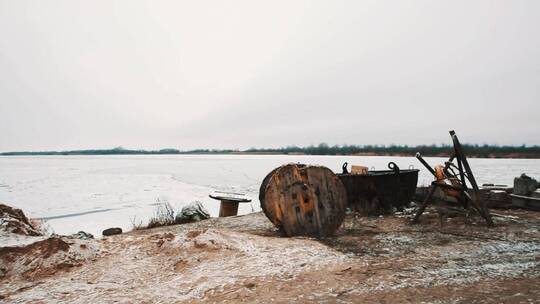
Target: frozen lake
{"x": 92, "y": 193}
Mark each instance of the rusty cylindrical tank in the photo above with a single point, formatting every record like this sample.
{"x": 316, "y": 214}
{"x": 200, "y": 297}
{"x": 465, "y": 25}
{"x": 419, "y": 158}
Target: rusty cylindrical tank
{"x": 304, "y": 200}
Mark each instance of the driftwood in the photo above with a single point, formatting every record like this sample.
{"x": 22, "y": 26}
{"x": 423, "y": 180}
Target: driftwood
{"x": 304, "y": 200}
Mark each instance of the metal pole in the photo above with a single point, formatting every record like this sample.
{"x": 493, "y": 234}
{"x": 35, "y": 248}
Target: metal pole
{"x": 430, "y": 169}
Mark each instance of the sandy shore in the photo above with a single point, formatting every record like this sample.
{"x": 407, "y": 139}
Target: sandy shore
{"x": 243, "y": 259}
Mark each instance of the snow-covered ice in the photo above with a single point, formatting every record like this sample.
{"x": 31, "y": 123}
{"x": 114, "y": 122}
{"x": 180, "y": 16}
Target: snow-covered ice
{"x": 92, "y": 193}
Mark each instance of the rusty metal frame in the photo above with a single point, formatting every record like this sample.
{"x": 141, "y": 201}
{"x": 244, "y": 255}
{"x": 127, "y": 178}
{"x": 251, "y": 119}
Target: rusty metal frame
{"x": 468, "y": 197}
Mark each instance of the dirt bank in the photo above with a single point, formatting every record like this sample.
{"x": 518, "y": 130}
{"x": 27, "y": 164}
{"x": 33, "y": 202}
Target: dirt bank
{"x": 243, "y": 259}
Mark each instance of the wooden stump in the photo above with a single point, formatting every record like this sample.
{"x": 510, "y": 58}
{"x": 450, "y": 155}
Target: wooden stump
{"x": 304, "y": 200}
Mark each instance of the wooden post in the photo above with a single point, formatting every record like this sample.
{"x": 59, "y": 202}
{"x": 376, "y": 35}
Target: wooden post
{"x": 228, "y": 208}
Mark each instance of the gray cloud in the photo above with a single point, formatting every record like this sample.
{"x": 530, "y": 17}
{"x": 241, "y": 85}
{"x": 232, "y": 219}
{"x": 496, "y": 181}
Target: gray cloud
{"x": 251, "y": 73}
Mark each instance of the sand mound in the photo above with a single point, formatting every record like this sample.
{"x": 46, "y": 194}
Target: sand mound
{"x": 44, "y": 257}
{"x": 13, "y": 220}
{"x": 26, "y": 253}
{"x": 210, "y": 260}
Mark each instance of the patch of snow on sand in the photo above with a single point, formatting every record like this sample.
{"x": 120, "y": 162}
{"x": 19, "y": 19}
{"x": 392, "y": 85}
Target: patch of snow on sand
{"x": 257, "y": 258}
{"x": 496, "y": 260}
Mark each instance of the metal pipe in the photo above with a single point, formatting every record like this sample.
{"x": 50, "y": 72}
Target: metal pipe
{"x": 430, "y": 169}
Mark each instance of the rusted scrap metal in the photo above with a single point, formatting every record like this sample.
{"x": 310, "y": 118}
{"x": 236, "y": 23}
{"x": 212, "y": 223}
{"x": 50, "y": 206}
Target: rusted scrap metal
{"x": 522, "y": 195}
{"x": 380, "y": 192}
{"x": 304, "y": 200}
{"x": 457, "y": 181}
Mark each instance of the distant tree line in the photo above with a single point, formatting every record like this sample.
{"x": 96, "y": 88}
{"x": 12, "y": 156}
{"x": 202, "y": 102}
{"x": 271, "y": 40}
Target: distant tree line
{"x": 115, "y": 151}
{"x": 481, "y": 151}
{"x": 474, "y": 150}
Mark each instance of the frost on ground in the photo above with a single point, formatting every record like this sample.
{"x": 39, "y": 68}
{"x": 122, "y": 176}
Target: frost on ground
{"x": 185, "y": 265}
{"x": 243, "y": 259}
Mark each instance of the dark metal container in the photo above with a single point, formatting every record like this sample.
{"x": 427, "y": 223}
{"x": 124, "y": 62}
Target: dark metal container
{"x": 380, "y": 192}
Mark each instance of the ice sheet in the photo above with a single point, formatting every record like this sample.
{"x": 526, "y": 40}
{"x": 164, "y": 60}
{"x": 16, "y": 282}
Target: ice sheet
{"x": 92, "y": 193}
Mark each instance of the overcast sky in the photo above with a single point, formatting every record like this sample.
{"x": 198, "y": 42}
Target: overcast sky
{"x": 240, "y": 74}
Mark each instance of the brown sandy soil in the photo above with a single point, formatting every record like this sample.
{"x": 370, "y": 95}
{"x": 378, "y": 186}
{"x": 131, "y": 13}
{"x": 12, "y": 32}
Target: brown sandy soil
{"x": 243, "y": 259}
